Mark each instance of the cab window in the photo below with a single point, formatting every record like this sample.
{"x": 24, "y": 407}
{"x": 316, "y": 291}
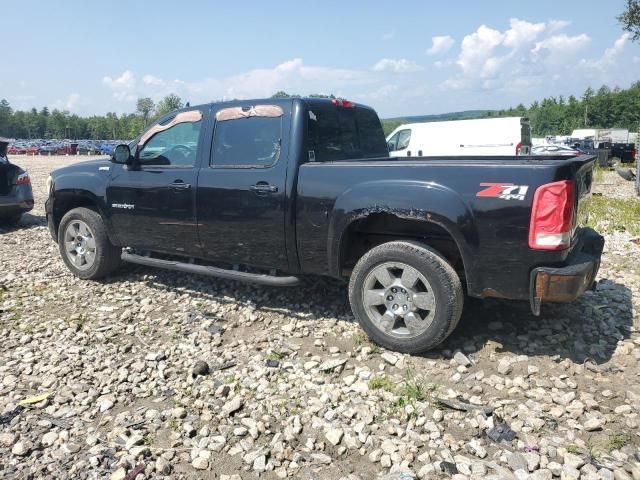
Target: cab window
{"x": 400, "y": 140}
{"x": 176, "y": 146}
{"x": 404, "y": 137}
{"x": 247, "y": 142}
{"x": 392, "y": 144}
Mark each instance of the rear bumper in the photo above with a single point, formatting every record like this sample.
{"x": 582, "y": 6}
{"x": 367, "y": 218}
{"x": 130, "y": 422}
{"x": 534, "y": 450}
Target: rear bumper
{"x": 19, "y": 201}
{"x": 567, "y": 283}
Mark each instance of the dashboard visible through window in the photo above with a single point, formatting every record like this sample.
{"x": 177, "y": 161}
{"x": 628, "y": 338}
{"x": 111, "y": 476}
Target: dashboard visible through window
{"x": 176, "y": 146}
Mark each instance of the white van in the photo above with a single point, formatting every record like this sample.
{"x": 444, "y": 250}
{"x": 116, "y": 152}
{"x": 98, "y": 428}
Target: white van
{"x": 485, "y": 136}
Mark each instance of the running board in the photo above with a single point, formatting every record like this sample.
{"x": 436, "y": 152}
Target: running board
{"x": 260, "y": 279}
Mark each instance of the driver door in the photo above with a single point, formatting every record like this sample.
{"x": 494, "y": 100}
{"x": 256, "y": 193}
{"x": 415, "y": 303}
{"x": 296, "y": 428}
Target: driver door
{"x": 152, "y": 204}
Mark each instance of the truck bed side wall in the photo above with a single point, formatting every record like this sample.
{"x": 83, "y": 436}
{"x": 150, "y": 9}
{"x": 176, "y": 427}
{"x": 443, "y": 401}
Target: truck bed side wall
{"x": 491, "y": 233}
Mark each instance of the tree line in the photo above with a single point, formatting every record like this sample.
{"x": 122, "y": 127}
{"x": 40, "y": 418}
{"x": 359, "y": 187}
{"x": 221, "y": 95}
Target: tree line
{"x": 603, "y": 108}
{"x": 46, "y": 123}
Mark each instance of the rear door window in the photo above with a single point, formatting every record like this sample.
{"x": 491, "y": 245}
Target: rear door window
{"x": 247, "y": 142}
{"x": 341, "y": 133}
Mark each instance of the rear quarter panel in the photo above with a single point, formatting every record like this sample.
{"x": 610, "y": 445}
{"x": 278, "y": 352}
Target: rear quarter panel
{"x": 491, "y": 232}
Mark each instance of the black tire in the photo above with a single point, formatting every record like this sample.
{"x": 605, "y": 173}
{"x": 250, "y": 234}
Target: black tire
{"x": 444, "y": 282}
{"x": 107, "y": 256}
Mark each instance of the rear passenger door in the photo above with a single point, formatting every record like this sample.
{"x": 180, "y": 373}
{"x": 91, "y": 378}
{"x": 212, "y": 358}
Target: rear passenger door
{"x": 241, "y": 197}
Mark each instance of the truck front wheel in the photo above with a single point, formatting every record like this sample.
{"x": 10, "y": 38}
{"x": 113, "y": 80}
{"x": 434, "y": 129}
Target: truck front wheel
{"x": 405, "y": 296}
{"x": 85, "y": 246}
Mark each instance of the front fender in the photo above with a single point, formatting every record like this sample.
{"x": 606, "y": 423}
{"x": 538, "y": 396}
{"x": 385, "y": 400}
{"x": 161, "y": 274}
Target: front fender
{"x": 412, "y": 200}
{"x": 77, "y": 189}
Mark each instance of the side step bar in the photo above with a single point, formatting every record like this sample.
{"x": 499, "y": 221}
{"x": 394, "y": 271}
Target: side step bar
{"x": 260, "y": 279}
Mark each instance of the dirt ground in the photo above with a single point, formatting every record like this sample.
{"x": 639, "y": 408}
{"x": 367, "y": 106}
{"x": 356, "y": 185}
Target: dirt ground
{"x": 294, "y": 388}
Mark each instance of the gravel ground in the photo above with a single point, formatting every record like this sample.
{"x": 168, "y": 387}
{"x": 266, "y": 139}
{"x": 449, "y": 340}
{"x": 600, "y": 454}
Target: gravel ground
{"x": 290, "y": 387}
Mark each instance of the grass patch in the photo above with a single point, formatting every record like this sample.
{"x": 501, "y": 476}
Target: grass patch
{"x": 598, "y": 174}
{"x": 380, "y": 383}
{"x": 614, "y": 214}
{"x": 410, "y": 391}
{"x": 573, "y": 448}
{"x": 618, "y": 440}
{"x": 276, "y": 355}
{"x": 362, "y": 340}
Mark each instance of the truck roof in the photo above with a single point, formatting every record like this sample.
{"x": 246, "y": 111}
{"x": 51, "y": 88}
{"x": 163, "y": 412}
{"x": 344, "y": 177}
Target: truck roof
{"x": 307, "y": 100}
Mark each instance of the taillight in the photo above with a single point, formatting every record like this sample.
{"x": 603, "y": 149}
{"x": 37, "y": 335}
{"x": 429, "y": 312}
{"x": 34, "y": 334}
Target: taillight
{"x": 339, "y": 102}
{"x": 552, "y": 216}
{"x": 518, "y": 147}
{"x": 23, "y": 179}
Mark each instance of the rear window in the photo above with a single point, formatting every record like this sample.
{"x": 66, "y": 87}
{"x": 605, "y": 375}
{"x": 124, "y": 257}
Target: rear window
{"x": 341, "y": 133}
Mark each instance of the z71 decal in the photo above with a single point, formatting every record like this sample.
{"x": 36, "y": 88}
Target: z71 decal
{"x": 505, "y": 191}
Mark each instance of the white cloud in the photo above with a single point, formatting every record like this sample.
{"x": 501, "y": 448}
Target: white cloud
{"x": 477, "y": 48}
{"x": 561, "y": 45}
{"x": 292, "y": 76}
{"x": 522, "y": 33}
{"x": 400, "y": 65}
{"x": 71, "y": 104}
{"x": 151, "y": 80}
{"x": 440, "y": 44}
{"x": 122, "y": 86}
{"x": 491, "y": 58}
{"x": 556, "y": 25}
{"x": 610, "y": 55}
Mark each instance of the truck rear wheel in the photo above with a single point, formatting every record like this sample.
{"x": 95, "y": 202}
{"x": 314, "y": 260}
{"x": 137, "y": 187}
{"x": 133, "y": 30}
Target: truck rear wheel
{"x": 85, "y": 246}
{"x": 405, "y": 296}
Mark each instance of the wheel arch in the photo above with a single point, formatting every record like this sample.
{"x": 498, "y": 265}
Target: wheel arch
{"x": 439, "y": 219}
{"x": 67, "y": 200}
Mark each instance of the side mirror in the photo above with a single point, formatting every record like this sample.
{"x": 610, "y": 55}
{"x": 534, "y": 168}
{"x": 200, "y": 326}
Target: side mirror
{"x": 121, "y": 154}
{"x": 391, "y": 146}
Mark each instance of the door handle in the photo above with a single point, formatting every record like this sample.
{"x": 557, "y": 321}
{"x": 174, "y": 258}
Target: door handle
{"x": 180, "y": 185}
{"x": 261, "y": 187}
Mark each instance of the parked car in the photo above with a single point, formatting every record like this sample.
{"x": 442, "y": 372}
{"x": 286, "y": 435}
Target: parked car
{"x": 626, "y": 152}
{"x": 88, "y": 148}
{"x": 48, "y": 149}
{"x": 486, "y": 136}
{"x": 555, "y": 150}
{"x": 16, "y": 196}
{"x": 67, "y": 149}
{"x": 267, "y": 190}
{"x": 107, "y": 148}
{"x": 16, "y": 150}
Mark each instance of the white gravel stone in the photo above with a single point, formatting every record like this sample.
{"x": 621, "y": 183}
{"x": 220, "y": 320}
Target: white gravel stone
{"x": 334, "y": 435}
{"x": 200, "y": 463}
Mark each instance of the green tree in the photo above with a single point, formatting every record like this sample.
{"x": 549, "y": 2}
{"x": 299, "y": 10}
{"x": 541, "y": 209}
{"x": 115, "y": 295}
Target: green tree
{"x": 282, "y": 94}
{"x": 630, "y": 19}
{"x": 168, "y": 104}
{"x": 5, "y": 117}
{"x": 144, "y": 107}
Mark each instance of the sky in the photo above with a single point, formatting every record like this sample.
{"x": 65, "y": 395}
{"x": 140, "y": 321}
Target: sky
{"x": 402, "y": 57}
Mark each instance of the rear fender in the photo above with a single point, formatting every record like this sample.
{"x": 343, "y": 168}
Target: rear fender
{"x": 413, "y": 200}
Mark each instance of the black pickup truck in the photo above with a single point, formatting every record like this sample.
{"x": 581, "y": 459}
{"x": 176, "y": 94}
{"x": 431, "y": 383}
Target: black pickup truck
{"x": 267, "y": 190}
